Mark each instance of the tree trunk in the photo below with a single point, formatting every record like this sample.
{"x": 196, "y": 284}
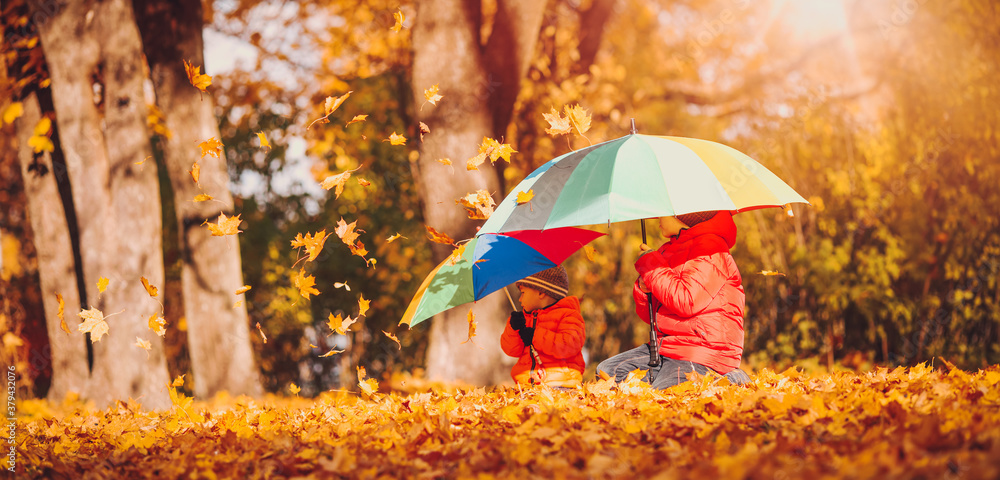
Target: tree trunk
{"x": 56, "y": 267}
{"x": 94, "y": 49}
{"x": 447, "y": 52}
{"x": 218, "y": 333}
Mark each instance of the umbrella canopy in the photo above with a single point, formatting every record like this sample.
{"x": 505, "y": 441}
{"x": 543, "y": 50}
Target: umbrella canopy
{"x": 636, "y": 177}
{"x": 490, "y": 262}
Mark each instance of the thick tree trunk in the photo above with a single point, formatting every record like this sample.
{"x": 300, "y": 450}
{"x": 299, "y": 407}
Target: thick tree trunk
{"x": 56, "y": 267}
{"x": 447, "y": 52}
{"x": 218, "y": 334}
{"x": 91, "y": 49}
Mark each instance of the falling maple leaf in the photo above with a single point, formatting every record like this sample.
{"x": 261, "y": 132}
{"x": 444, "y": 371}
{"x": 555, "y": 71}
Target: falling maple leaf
{"x": 444, "y": 161}
{"x": 13, "y": 112}
{"x": 150, "y": 289}
{"x": 392, "y": 337}
{"x": 243, "y": 289}
{"x": 143, "y": 344}
{"x": 393, "y": 238}
{"x": 294, "y": 389}
{"x": 262, "y": 336}
{"x": 93, "y": 323}
{"x": 363, "y": 182}
{"x": 195, "y": 172}
{"x": 40, "y": 141}
{"x": 305, "y": 283}
{"x": 579, "y": 118}
{"x": 472, "y": 326}
{"x": 343, "y": 285}
{"x": 356, "y": 119}
{"x": 424, "y": 130}
{"x": 61, "y": 314}
{"x": 178, "y": 381}
{"x": 211, "y": 147}
{"x": 363, "y": 305}
{"x": 339, "y": 324}
{"x": 331, "y": 353}
{"x": 525, "y": 197}
{"x": 102, "y": 284}
{"x": 197, "y": 79}
{"x": 398, "y": 15}
{"x": 438, "y": 237}
{"x": 336, "y": 181}
{"x": 238, "y": 304}
{"x": 456, "y": 254}
{"x": 313, "y": 244}
{"x": 201, "y": 197}
{"x": 589, "y": 251}
{"x": 331, "y": 104}
{"x": 558, "y": 125}
{"x": 492, "y": 150}
{"x": 369, "y": 386}
{"x": 395, "y": 139}
{"x": 225, "y": 226}
{"x": 478, "y": 205}
{"x": 157, "y": 324}
{"x": 770, "y": 273}
{"x": 263, "y": 140}
{"x": 346, "y": 231}
{"x": 431, "y": 94}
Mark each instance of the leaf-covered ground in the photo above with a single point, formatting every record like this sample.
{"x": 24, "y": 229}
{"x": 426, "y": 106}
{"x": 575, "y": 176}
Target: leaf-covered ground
{"x": 901, "y": 423}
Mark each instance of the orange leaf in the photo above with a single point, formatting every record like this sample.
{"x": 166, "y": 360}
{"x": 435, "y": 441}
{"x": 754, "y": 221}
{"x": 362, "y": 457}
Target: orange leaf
{"x": 589, "y": 251}
{"x": 201, "y": 197}
{"x": 199, "y": 80}
{"x": 336, "y": 181}
{"x": 195, "y": 172}
{"x": 578, "y": 117}
{"x": 262, "y": 336}
{"x": 263, "y": 140}
{"x": 479, "y": 205}
{"x": 363, "y": 305}
{"x": 525, "y": 197}
{"x": 143, "y": 344}
{"x": 438, "y": 237}
{"x": 62, "y": 314}
{"x": 399, "y": 21}
{"x": 472, "y": 326}
{"x": 770, "y": 273}
{"x": 431, "y": 94}
{"x": 294, "y": 389}
{"x": 368, "y": 386}
{"x": 393, "y": 338}
{"x": 444, "y": 161}
{"x": 178, "y": 381}
{"x": 558, "y": 125}
{"x": 331, "y": 353}
{"x": 102, "y": 284}
{"x": 329, "y": 107}
{"x": 356, "y": 119}
{"x": 305, "y": 283}
{"x": 243, "y": 289}
{"x": 339, "y": 324}
{"x": 395, "y": 139}
{"x": 456, "y": 255}
{"x": 211, "y": 147}
{"x": 157, "y": 324}
{"x": 358, "y": 249}
{"x": 363, "y": 182}
{"x": 346, "y": 231}
{"x": 393, "y": 238}
{"x": 313, "y": 244}
{"x": 225, "y": 226}
{"x": 93, "y": 323}
{"x": 151, "y": 290}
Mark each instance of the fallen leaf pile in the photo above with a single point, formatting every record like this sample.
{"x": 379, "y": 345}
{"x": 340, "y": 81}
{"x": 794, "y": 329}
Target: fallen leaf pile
{"x": 901, "y": 423}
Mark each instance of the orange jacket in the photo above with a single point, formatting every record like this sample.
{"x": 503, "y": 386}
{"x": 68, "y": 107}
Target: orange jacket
{"x": 558, "y": 340}
{"x": 698, "y": 294}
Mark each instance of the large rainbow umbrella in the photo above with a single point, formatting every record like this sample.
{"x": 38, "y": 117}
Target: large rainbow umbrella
{"x": 490, "y": 262}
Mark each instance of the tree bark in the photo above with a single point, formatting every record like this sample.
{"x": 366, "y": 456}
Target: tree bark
{"x": 447, "y": 52}
{"x": 56, "y": 267}
{"x": 218, "y": 333}
{"x": 91, "y": 49}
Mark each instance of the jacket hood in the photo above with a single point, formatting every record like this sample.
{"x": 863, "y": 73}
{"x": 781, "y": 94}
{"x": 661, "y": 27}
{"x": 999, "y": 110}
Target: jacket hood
{"x": 721, "y": 224}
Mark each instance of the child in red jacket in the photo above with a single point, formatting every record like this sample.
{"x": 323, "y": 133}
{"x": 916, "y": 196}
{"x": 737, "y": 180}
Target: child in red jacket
{"x": 547, "y": 335}
{"x": 698, "y": 299}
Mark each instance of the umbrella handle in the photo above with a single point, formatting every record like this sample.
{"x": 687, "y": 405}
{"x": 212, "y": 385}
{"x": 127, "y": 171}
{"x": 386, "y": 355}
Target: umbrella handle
{"x": 512, "y": 305}
{"x": 654, "y": 344}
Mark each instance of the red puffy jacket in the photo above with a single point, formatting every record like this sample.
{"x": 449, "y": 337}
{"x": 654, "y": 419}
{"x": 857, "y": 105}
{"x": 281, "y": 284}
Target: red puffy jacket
{"x": 699, "y": 295}
{"x": 558, "y": 339}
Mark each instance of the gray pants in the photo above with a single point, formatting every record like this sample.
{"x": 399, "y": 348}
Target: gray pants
{"x": 670, "y": 372}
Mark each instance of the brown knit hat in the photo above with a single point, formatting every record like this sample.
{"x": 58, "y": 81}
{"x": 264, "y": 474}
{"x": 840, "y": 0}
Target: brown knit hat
{"x": 553, "y": 282}
{"x": 692, "y": 219}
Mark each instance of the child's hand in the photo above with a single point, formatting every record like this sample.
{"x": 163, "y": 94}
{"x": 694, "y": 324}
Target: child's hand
{"x": 527, "y": 334}
{"x": 516, "y": 320}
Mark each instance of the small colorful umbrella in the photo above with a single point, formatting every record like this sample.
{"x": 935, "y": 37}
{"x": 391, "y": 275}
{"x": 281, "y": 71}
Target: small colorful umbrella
{"x": 637, "y": 177}
{"x": 490, "y": 262}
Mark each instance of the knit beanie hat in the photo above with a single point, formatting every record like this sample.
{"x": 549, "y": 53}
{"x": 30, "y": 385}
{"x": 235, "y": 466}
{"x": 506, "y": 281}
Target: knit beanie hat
{"x": 553, "y": 282}
{"x": 692, "y": 219}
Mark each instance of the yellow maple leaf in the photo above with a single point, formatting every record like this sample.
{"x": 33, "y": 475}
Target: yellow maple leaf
{"x": 339, "y": 324}
{"x": 211, "y": 147}
{"x": 201, "y": 197}
{"x": 197, "y": 79}
{"x": 332, "y": 352}
{"x": 346, "y": 231}
{"x": 558, "y": 125}
{"x": 294, "y": 389}
{"x": 395, "y": 139}
{"x": 444, "y": 161}
{"x": 143, "y": 344}
{"x": 305, "y": 283}
{"x": 157, "y": 324}
{"x": 195, "y": 172}
{"x": 589, "y": 251}
{"x": 178, "y": 381}
{"x": 263, "y": 140}
{"x": 363, "y": 182}
{"x": 150, "y": 289}
{"x": 313, "y": 244}
{"x": 262, "y": 336}
{"x": 61, "y": 314}
{"x": 363, "y": 305}
{"x": 472, "y": 326}
{"x": 431, "y": 94}
{"x": 238, "y": 304}
{"x": 243, "y": 289}
{"x": 491, "y": 149}
{"x": 456, "y": 254}
{"x": 93, "y": 323}
{"x": 398, "y": 16}
{"x": 438, "y": 237}
{"x": 525, "y": 197}
{"x": 478, "y": 205}
{"x": 336, "y": 181}
{"x": 356, "y": 119}
{"x": 12, "y": 112}
{"x": 770, "y": 273}
{"x": 578, "y": 117}
{"x": 102, "y": 284}
{"x": 393, "y": 238}
{"x": 329, "y": 106}
{"x": 40, "y": 141}
{"x": 225, "y": 226}
{"x": 368, "y": 386}
{"x": 392, "y": 337}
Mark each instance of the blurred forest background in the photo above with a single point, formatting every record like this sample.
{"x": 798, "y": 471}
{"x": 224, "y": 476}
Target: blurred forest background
{"x": 882, "y": 113}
